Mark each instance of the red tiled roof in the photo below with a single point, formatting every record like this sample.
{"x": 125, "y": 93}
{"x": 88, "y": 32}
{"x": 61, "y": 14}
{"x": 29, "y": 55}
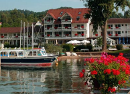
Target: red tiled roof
{"x": 119, "y": 20}
{"x": 73, "y": 12}
{"x": 10, "y": 29}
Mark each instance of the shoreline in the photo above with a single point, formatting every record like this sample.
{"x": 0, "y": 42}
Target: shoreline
{"x": 77, "y": 57}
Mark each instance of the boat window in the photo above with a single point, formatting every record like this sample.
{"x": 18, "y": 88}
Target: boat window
{"x": 39, "y": 54}
{"x": 32, "y": 53}
{"x": 20, "y": 53}
{"x": 43, "y": 52}
{"x": 4, "y": 54}
{"x": 12, "y": 53}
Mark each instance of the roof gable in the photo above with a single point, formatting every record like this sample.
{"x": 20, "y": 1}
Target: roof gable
{"x": 6, "y": 30}
{"x": 73, "y": 12}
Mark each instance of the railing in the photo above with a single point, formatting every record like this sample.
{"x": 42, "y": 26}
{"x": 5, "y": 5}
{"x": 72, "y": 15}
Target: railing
{"x": 65, "y": 20}
{"x": 49, "y": 22}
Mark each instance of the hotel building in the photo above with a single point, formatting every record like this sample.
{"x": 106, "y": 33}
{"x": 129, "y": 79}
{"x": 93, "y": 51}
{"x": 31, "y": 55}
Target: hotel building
{"x": 62, "y": 25}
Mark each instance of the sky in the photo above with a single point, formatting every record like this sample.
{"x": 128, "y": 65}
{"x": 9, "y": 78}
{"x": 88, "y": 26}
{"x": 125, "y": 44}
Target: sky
{"x": 39, "y": 5}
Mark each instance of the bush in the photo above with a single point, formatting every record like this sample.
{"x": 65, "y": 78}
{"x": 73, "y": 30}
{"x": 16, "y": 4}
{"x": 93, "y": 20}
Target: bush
{"x": 79, "y": 47}
{"x": 6, "y": 44}
{"x": 89, "y": 46}
{"x": 68, "y": 47}
{"x": 51, "y": 48}
{"x": 119, "y": 47}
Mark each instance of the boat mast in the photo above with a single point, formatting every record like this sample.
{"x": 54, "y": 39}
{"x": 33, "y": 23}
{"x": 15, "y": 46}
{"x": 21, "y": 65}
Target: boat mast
{"x": 27, "y": 34}
{"x": 20, "y": 34}
{"x": 32, "y": 35}
{"x": 24, "y": 35}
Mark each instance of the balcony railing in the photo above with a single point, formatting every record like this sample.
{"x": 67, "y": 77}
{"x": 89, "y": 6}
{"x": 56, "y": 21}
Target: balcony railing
{"x": 66, "y": 20}
{"x": 49, "y": 22}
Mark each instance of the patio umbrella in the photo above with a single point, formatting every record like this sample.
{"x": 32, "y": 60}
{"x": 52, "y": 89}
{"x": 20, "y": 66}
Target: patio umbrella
{"x": 73, "y": 42}
{"x": 85, "y": 41}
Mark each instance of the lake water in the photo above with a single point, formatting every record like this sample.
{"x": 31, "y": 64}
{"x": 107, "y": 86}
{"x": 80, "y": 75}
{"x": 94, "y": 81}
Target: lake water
{"x": 59, "y": 79}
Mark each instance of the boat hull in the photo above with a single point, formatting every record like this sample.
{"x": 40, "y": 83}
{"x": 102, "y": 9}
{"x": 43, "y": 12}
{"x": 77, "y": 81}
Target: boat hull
{"x": 28, "y": 61}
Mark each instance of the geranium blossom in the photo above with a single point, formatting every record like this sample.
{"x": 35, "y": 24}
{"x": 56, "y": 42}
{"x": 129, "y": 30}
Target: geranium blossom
{"x": 108, "y": 70}
{"x": 115, "y": 72}
{"x": 94, "y": 72}
{"x": 81, "y": 75}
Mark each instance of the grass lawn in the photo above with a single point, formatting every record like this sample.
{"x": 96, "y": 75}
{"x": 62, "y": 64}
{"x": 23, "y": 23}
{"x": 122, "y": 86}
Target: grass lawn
{"x": 120, "y": 51}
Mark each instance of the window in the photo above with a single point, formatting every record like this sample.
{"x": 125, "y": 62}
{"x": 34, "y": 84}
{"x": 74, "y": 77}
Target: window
{"x": 122, "y": 31}
{"x": 125, "y": 31}
{"x": 122, "y": 24}
{"x": 78, "y": 18}
{"x": 125, "y": 24}
{"x": 119, "y": 32}
{"x": 61, "y": 13}
{"x": 79, "y": 13}
{"x": 108, "y": 32}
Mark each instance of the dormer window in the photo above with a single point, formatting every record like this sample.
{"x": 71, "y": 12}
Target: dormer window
{"x": 78, "y": 18}
{"x": 61, "y": 13}
{"x": 79, "y": 13}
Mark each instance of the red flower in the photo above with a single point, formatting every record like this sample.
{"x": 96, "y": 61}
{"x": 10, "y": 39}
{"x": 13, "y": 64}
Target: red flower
{"x": 115, "y": 72}
{"x": 75, "y": 27}
{"x": 48, "y": 35}
{"x": 94, "y": 72}
{"x": 2, "y": 36}
{"x": 109, "y": 34}
{"x": 66, "y": 27}
{"x": 16, "y": 36}
{"x": 82, "y": 34}
{"x": 109, "y": 88}
{"x": 82, "y": 26}
{"x": 127, "y": 71}
{"x": 121, "y": 81}
{"x": 120, "y": 54}
{"x": 48, "y": 27}
{"x": 107, "y": 71}
{"x": 66, "y": 19}
{"x": 116, "y": 35}
{"x": 91, "y": 60}
{"x": 76, "y": 34}
{"x": 67, "y": 34}
{"x": 113, "y": 90}
{"x": 96, "y": 34}
{"x": 86, "y": 83}
{"x": 83, "y": 70}
{"x": 56, "y": 27}
{"x": 81, "y": 75}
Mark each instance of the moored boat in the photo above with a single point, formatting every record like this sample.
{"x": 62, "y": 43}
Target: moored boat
{"x": 33, "y": 57}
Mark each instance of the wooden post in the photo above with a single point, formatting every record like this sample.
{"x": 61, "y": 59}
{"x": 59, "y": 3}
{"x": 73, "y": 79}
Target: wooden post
{"x": 0, "y": 61}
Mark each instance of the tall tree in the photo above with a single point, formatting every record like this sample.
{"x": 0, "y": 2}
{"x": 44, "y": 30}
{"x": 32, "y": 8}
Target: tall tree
{"x": 101, "y": 11}
{"x": 127, "y": 14}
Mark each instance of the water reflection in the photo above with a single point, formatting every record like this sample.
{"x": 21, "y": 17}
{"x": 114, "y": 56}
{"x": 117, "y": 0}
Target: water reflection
{"x": 62, "y": 78}
{"x": 58, "y": 79}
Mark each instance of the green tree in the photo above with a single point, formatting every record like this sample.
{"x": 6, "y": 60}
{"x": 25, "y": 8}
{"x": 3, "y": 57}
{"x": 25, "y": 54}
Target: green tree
{"x": 100, "y": 11}
{"x": 127, "y": 14}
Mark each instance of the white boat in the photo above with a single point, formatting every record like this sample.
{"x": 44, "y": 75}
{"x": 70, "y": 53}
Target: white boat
{"x": 35, "y": 57}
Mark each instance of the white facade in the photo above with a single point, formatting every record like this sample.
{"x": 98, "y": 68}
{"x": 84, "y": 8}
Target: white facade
{"x": 66, "y": 30}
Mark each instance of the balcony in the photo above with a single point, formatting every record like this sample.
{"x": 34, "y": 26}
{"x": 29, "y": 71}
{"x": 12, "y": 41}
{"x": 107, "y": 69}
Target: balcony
{"x": 49, "y": 28}
{"x": 49, "y": 22}
{"x": 78, "y": 28}
{"x": 57, "y": 28}
{"x": 117, "y": 28}
{"x": 66, "y": 28}
{"x": 65, "y": 21}
{"x": 78, "y": 35}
